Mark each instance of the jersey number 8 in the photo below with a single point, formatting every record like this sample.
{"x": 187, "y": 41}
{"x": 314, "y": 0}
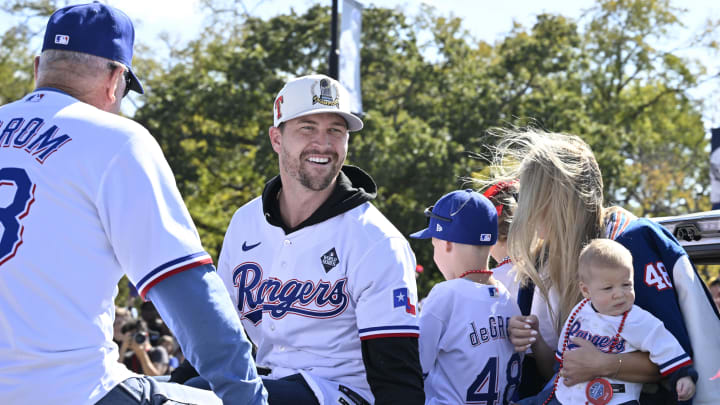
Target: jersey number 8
{"x": 12, "y": 214}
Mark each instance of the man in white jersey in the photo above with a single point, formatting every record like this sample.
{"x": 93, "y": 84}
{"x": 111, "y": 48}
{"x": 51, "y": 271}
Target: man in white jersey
{"x": 323, "y": 282}
{"x": 85, "y": 197}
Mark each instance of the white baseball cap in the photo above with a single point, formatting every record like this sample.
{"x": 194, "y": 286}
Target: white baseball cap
{"x": 314, "y": 94}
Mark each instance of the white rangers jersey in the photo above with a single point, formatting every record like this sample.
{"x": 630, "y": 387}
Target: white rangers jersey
{"x": 465, "y": 351}
{"x": 642, "y": 332}
{"x": 85, "y": 197}
{"x": 308, "y": 298}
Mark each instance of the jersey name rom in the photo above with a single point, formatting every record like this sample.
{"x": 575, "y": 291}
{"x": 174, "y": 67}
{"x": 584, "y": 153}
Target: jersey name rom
{"x": 24, "y": 135}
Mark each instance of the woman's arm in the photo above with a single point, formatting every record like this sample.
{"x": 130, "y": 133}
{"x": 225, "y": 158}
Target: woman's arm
{"x": 524, "y": 334}
{"x": 587, "y": 362}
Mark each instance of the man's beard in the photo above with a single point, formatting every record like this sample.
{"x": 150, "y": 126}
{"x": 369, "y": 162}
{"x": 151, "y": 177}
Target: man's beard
{"x": 300, "y": 170}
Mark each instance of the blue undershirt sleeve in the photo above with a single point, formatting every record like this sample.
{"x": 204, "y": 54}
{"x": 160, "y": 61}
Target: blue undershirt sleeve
{"x": 197, "y": 308}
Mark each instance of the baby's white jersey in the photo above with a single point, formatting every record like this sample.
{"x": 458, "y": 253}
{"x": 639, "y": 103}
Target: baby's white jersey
{"x": 642, "y": 331}
{"x": 465, "y": 351}
{"x": 308, "y": 298}
{"x": 85, "y": 197}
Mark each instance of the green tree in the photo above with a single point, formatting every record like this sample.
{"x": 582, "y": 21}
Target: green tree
{"x": 16, "y": 53}
{"x": 430, "y": 92}
{"x": 643, "y": 121}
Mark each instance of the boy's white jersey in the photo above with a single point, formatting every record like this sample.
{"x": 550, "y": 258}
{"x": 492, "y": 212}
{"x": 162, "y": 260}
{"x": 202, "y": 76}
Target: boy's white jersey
{"x": 465, "y": 351}
{"x": 85, "y": 197}
{"x": 642, "y": 331}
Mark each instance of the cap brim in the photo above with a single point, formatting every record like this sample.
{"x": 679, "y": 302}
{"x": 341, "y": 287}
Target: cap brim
{"x": 135, "y": 83}
{"x": 424, "y": 234}
{"x": 354, "y": 123}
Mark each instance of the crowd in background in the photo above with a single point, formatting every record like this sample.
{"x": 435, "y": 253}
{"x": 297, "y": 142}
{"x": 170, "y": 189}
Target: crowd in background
{"x": 146, "y": 344}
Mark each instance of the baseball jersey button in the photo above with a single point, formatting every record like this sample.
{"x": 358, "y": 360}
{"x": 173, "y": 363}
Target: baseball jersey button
{"x": 287, "y": 242}
{"x": 272, "y": 327}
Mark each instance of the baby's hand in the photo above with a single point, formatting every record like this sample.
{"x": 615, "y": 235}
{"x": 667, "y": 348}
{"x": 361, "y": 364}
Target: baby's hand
{"x": 685, "y": 388}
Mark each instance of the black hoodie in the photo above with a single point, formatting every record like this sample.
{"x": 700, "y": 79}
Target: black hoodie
{"x": 353, "y": 187}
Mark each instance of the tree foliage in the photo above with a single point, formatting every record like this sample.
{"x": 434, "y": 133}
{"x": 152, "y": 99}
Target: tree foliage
{"x": 430, "y": 93}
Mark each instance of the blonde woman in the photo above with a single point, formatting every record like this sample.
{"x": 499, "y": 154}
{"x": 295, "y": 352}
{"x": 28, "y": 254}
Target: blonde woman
{"x": 560, "y": 209}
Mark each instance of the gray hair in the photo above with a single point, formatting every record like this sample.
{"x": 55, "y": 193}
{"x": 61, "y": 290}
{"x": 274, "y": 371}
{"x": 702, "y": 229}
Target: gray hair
{"x": 70, "y": 66}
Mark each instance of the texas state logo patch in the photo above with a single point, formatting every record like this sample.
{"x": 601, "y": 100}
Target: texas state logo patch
{"x": 402, "y": 299}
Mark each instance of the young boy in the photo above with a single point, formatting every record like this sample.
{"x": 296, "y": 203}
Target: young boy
{"x": 608, "y": 318}
{"x": 465, "y": 353}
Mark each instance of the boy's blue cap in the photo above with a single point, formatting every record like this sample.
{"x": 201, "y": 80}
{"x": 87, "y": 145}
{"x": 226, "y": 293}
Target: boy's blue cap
{"x": 95, "y": 29}
{"x": 462, "y": 216}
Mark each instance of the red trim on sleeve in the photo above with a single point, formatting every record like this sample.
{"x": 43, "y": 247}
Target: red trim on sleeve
{"x": 171, "y": 272}
{"x": 688, "y": 362}
{"x": 385, "y": 335}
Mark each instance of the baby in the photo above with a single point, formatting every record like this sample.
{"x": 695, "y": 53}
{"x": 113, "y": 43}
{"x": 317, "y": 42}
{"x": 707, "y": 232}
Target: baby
{"x": 608, "y": 318}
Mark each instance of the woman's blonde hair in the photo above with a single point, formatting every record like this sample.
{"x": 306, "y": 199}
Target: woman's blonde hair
{"x": 561, "y": 192}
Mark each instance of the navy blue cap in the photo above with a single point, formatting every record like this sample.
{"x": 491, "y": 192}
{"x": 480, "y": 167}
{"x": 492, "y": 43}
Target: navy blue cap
{"x": 462, "y": 216}
{"x": 96, "y": 29}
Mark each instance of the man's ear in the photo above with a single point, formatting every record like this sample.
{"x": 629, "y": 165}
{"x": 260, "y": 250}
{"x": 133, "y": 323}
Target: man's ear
{"x": 36, "y": 65}
{"x": 448, "y": 246}
{"x": 275, "y": 138}
{"x": 110, "y": 85}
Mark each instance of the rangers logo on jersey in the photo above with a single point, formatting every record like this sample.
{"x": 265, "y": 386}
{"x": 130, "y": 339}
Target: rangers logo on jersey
{"x": 604, "y": 343}
{"x": 256, "y": 295}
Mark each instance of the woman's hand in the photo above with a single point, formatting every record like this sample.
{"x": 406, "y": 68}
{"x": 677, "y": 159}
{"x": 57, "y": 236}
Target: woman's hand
{"x": 523, "y": 331}
{"x": 524, "y": 334}
{"x": 584, "y": 362}
{"x": 587, "y": 362}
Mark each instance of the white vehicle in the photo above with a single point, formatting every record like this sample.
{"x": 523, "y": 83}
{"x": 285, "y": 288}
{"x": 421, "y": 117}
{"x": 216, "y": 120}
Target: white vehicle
{"x": 699, "y": 234}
